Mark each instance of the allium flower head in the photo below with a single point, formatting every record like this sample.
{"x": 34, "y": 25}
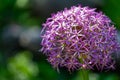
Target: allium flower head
{"x": 78, "y": 38}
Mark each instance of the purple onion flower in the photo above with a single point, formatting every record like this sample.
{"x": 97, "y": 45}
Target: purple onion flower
{"x": 78, "y": 38}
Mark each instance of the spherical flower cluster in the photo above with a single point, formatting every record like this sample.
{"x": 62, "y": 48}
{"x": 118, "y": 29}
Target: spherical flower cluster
{"x": 78, "y": 38}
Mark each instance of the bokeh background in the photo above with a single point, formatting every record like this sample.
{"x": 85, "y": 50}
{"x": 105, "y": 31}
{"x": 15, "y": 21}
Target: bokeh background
{"x": 20, "y": 26}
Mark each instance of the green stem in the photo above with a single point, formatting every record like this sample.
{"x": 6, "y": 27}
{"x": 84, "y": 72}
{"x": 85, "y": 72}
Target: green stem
{"x": 84, "y": 74}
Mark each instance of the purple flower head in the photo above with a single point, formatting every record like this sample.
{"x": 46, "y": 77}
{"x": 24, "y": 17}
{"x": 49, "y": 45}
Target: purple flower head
{"x": 78, "y": 38}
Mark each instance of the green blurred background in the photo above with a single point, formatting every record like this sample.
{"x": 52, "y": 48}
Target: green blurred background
{"x": 20, "y": 26}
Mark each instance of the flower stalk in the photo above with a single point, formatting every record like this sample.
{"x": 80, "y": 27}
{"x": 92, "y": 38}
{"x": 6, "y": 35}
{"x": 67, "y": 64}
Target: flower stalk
{"x": 84, "y": 74}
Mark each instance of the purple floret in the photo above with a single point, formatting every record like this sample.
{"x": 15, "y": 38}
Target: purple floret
{"x": 78, "y": 38}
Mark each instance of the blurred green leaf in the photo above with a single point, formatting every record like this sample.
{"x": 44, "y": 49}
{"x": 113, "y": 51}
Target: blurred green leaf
{"x": 21, "y": 3}
{"x": 22, "y": 67}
